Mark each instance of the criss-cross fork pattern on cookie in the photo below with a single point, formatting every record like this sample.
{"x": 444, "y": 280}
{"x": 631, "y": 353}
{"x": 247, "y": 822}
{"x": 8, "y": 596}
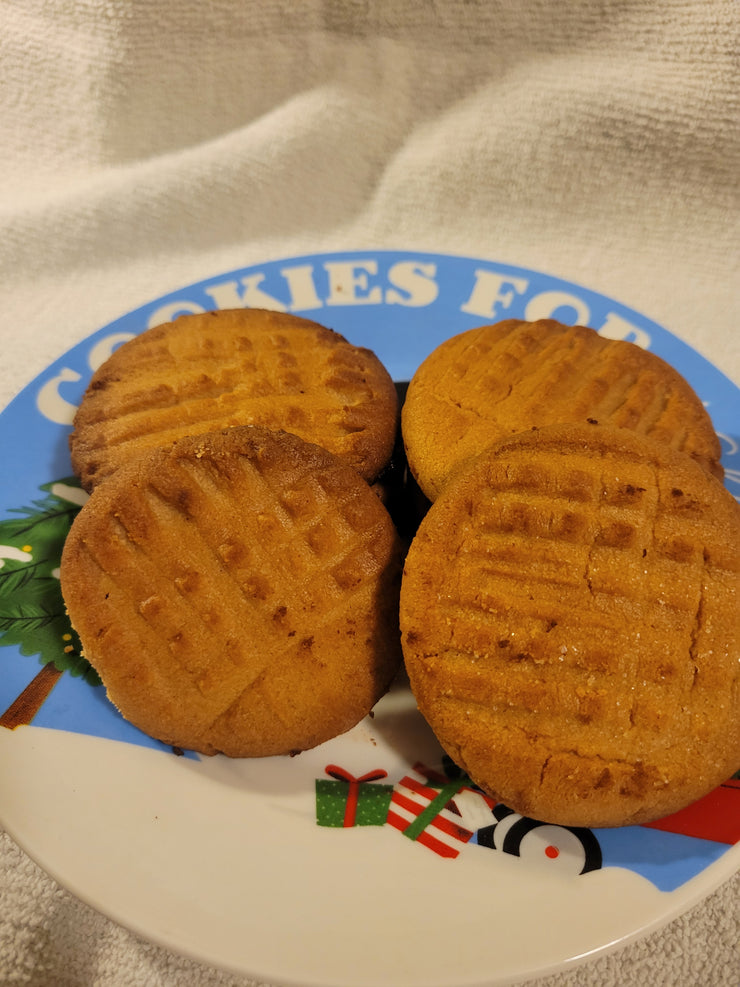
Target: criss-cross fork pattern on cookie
{"x": 488, "y": 383}
{"x": 223, "y": 577}
{"x": 222, "y": 369}
{"x": 586, "y": 607}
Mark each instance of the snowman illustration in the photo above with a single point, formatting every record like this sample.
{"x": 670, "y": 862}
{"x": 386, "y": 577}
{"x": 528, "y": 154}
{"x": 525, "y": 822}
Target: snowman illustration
{"x": 573, "y": 850}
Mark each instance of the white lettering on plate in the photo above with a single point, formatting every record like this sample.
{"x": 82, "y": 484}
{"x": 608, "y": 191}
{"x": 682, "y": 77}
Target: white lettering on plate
{"x": 416, "y": 280}
{"x": 303, "y": 294}
{"x": 50, "y": 402}
{"x": 492, "y": 292}
{"x": 349, "y": 283}
{"x": 615, "y": 327}
{"x": 543, "y": 305}
{"x": 102, "y": 350}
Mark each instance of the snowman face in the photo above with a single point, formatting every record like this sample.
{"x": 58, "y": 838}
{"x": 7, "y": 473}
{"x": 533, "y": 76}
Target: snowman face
{"x": 570, "y": 850}
{"x": 556, "y": 846}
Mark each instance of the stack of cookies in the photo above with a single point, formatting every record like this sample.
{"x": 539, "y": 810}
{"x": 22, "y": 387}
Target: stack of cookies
{"x": 569, "y": 605}
{"x": 205, "y": 372}
{"x": 233, "y": 577}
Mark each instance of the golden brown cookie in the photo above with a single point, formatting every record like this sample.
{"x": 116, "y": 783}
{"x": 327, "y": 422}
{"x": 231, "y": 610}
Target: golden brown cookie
{"x": 494, "y": 381}
{"x": 205, "y": 372}
{"x": 570, "y": 625}
{"x": 237, "y": 592}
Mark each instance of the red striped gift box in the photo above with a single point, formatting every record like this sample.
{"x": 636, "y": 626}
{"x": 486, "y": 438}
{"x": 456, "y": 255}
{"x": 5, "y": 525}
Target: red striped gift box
{"x": 438, "y": 811}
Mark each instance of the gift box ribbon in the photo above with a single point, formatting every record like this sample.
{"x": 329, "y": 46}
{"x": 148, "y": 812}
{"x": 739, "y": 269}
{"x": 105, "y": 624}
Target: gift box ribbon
{"x": 350, "y": 811}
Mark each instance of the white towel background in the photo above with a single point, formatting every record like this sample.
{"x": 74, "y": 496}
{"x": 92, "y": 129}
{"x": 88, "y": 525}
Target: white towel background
{"x": 146, "y": 145}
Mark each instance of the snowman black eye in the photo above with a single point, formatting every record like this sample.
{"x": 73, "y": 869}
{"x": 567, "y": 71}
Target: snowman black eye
{"x": 485, "y": 836}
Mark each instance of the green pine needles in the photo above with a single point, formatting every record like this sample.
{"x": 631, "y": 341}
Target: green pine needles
{"x": 32, "y": 611}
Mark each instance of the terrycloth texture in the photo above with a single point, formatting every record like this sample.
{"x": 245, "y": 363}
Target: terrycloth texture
{"x": 149, "y": 145}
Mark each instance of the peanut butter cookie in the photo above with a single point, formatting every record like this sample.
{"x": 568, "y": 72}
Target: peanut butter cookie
{"x": 236, "y": 367}
{"x": 485, "y": 384}
{"x": 570, "y": 625}
{"x": 237, "y": 592}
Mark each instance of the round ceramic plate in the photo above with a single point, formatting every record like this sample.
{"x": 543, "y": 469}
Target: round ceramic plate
{"x": 370, "y": 859}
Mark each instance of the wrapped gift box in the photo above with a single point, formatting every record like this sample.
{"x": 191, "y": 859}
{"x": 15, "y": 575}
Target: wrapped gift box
{"x": 439, "y": 811}
{"x": 343, "y": 800}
